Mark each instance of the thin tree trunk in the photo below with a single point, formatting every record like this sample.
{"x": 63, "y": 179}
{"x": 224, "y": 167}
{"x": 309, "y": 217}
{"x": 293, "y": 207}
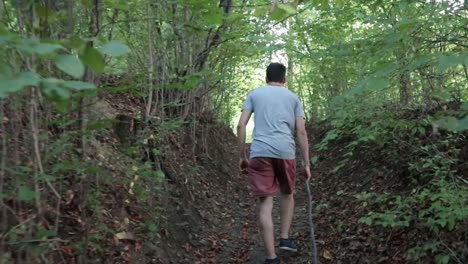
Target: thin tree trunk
{"x": 149, "y": 103}
{"x": 2, "y": 9}
{"x": 89, "y": 77}
{"x": 38, "y": 169}
{"x": 404, "y": 79}
{"x": 3, "y": 223}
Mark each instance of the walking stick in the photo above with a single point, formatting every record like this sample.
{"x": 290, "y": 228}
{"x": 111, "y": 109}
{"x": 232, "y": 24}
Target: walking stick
{"x": 311, "y": 224}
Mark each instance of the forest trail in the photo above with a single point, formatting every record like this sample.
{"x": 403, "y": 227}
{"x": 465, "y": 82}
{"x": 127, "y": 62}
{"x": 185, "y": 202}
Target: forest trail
{"x": 223, "y": 226}
{"x": 234, "y": 238}
{"x": 229, "y": 231}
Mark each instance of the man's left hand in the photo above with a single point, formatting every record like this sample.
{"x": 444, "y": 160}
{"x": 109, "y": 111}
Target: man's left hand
{"x": 307, "y": 173}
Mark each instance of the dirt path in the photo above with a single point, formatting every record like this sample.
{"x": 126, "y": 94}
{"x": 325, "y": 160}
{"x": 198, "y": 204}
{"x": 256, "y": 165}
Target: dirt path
{"x": 340, "y": 238}
{"x": 224, "y": 226}
{"x": 235, "y": 237}
{"x": 229, "y": 230}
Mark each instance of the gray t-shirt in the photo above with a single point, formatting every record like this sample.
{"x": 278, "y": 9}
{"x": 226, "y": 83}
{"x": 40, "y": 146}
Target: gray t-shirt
{"x": 275, "y": 110}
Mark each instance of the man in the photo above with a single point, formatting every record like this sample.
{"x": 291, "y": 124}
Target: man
{"x": 272, "y": 166}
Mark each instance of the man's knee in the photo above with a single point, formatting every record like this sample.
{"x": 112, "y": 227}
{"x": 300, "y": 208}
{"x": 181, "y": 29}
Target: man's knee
{"x": 265, "y": 199}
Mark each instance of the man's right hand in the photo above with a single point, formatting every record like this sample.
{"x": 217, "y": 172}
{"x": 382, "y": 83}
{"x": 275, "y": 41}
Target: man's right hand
{"x": 307, "y": 173}
{"x": 243, "y": 165}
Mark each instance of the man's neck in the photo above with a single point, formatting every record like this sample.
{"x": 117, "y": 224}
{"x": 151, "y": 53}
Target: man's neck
{"x": 276, "y": 84}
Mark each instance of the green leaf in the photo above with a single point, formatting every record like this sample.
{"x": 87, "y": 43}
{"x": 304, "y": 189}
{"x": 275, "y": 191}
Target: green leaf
{"x": 27, "y": 45}
{"x": 29, "y": 78}
{"x": 70, "y": 64}
{"x": 442, "y": 259}
{"x": 87, "y": 3}
{"x": 46, "y": 48}
{"x": 365, "y": 220}
{"x": 114, "y": 48}
{"x": 278, "y": 14}
{"x": 321, "y": 4}
{"x": 340, "y": 3}
{"x": 288, "y": 8}
{"x": 17, "y": 83}
{"x": 235, "y": 17}
{"x": 26, "y": 194}
{"x": 93, "y": 59}
{"x": 331, "y": 135}
{"x": 464, "y": 106}
{"x": 212, "y": 17}
{"x": 442, "y": 95}
{"x": 260, "y": 12}
{"x": 314, "y": 160}
{"x": 453, "y": 124}
{"x": 117, "y": 4}
{"x": 152, "y": 227}
{"x": 462, "y": 124}
{"x": 43, "y": 234}
{"x": 451, "y": 223}
{"x": 377, "y": 84}
{"x": 45, "y": 178}
{"x": 79, "y": 85}
{"x": 160, "y": 174}
{"x": 53, "y": 88}
{"x": 9, "y": 86}
{"x": 369, "y": 85}
{"x": 5, "y": 38}
{"x": 447, "y": 61}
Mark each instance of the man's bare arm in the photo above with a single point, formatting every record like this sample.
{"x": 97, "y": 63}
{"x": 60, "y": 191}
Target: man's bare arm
{"x": 303, "y": 144}
{"x": 241, "y": 131}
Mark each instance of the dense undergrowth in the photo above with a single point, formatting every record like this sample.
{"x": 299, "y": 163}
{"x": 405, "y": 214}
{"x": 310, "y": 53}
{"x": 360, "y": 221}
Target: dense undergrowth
{"x": 140, "y": 193}
{"x": 421, "y": 170}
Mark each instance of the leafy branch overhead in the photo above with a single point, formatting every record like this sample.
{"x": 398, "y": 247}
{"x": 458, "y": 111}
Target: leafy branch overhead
{"x": 69, "y": 63}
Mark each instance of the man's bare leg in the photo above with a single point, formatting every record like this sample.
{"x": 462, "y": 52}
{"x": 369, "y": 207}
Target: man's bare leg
{"x": 266, "y": 225}
{"x": 287, "y": 212}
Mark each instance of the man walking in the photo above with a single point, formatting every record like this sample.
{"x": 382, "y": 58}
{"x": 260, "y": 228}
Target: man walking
{"x": 272, "y": 166}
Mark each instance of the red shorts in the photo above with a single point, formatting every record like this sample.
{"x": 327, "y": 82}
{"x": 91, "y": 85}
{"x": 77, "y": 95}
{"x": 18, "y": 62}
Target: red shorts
{"x": 267, "y": 174}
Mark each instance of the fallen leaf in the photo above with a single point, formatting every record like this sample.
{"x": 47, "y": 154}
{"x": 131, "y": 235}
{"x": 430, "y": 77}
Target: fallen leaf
{"x": 327, "y": 255}
{"x": 124, "y": 235}
{"x": 70, "y": 196}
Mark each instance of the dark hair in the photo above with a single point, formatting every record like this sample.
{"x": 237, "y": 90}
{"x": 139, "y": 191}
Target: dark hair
{"x": 275, "y": 72}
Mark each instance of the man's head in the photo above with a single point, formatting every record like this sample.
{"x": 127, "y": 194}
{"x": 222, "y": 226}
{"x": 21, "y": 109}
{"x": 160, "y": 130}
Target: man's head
{"x": 276, "y": 72}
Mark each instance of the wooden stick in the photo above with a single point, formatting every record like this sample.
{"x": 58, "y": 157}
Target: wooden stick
{"x": 311, "y": 224}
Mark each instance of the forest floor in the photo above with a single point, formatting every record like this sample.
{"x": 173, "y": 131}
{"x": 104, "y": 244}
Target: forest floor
{"x": 225, "y": 228}
{"x": 205, "y": 215}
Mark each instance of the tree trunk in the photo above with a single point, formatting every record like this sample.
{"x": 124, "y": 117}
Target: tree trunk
{"x": 404, "y": 79}
{"x": 89, "y": 76}
{"x": 149, "y": 102}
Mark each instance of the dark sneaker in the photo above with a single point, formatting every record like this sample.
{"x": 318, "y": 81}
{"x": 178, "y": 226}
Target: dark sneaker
{"x": 272, "y": 261}
{"x": 288, "y": 245}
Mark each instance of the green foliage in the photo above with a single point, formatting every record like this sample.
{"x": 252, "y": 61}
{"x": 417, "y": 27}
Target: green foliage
{"x": 114, "y": 48}
{"x": 436, "y": 161}
{"x": 14, "y": 79}
{"x": 26, "y": 194}
{"x": 92, "y": 58}
{"x": 440, "y": 204}
{"x": 70, "y": 64}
